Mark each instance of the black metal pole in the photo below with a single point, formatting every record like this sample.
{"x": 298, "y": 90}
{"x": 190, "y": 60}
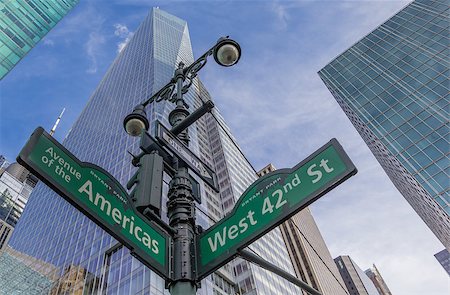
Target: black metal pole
{"x": 181, "y": 208}
{"x": 249, "y": 256}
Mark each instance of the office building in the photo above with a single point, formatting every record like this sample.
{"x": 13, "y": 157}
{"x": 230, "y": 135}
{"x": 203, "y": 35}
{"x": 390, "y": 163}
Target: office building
{"x": 2, "y": 161}
{"x": 16, "y": 184}
{"x": 5, "y": 233}
{"x": 357, "y": 282}
{"x": 23, "y": 23}
{"x": 308, "y": 252}
{"x": 393, "y": 85}
{"x": 3, "y": 164}
{"x": 374, "y": 274}
{"x": 444, "y": 259}
{"x": 53, "y": 231}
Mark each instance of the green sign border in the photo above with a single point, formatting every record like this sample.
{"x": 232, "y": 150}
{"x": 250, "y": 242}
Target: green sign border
{"x": 205, "y": 270}
{"x": 145, "y": 258}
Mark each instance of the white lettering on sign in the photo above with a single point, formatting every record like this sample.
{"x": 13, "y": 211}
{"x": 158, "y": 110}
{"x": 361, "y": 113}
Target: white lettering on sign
{"x": 64, "y": 168}
{"x": 317, "y": 174}
{"x": 270, "y": 204}
{"x": 220, "y": 238}
{"x": 277, "y": 195}
{"x": 118, "y": 217}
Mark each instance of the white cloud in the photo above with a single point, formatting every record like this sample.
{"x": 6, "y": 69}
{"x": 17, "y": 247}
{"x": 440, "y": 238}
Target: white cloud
{"x": 280, "y": 111}
{"x": 92, "y": 48}
{"x": 281, "y": 14}
{"x": 48, "y": 42}
{"x": 77, "y": 22}
{"x": 122, "y": 32}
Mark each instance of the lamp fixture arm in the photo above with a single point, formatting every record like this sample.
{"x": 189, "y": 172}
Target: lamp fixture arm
{"x": 189, "y": 73}
{"x": 164, "y": 93}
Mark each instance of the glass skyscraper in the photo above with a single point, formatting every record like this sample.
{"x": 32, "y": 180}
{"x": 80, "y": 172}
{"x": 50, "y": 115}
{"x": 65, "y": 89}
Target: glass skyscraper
{"x": 88, "y": 260}
{"x": 23, "y": 23}
{"x": 394, "y": 87}
{"x": 444, "y": 259}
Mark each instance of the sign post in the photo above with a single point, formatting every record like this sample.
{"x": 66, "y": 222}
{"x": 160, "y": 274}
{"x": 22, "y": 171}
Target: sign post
{"x": 194, "y": 163}
{"x": 98, "y": 195}
{"x": 268, "y": 202}
{"x": 271, "y": 200}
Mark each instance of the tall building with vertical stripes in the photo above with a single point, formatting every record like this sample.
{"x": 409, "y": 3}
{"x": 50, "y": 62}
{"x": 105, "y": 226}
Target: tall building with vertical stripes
{"x": 394, "y": 87}
{"x": 87, "y": 260}
{"x": 374, "y": 274}
{"x": 310, "y": 255}
{"x": 357, "y": 282}
{"x": 23, "y": 23}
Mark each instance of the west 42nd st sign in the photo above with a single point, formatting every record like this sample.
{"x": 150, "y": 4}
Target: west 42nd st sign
{"x": 99, "y": 196}
{"x": 271, "y": 200}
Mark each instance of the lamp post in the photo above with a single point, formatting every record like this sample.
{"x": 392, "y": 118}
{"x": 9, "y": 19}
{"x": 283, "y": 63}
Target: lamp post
{"x": 180, "y": 205}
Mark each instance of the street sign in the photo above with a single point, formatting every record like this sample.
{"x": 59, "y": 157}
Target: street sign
{"x": 165, "y": 137}
{"x": 98, "y": 195}
{"x": 271, "y": 200}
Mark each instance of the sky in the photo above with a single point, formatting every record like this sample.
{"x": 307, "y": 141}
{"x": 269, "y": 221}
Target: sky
{"x": 275, "y": 103}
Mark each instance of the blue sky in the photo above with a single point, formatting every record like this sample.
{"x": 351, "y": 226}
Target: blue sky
{"x": 273, "y": 100}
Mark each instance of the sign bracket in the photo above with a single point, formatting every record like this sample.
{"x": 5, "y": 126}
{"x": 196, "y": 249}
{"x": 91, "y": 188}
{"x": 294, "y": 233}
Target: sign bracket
{"x": 250, "y": 257}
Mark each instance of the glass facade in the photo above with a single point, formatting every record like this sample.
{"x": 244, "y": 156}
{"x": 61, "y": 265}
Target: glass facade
{"x": 6, "y": 231}
{"x": 16, "y": 184}
{"x": 394, "y": 87}
{"x": 23, "y": 23}
{"x": 444, "y": 259}
{"x": 13, "y": 198}
{"x": 87, "y": 260}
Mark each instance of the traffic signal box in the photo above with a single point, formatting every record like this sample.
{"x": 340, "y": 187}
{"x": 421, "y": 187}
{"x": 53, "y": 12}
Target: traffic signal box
{"x": 147, "y": 182}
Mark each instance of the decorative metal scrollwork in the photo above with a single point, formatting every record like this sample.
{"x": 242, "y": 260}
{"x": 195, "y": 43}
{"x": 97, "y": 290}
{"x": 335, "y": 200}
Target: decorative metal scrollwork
{"x": 189, "y": 73}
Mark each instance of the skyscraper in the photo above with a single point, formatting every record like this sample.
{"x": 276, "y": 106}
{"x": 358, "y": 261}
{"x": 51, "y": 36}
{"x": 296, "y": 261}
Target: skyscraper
{"x": 444, "y": 259}
{"x": 2, "y": 161}
{"x": 308, "y": 252}
{"x": 6, "y": 231}
{"x": 378, "y": 280}
{"x": 16, "y": 184}
{"x": 357, "y": 282}
{"x": 53, "y": 231}
{"x": 23, "y": 24}
{"x": 393, "y": 85}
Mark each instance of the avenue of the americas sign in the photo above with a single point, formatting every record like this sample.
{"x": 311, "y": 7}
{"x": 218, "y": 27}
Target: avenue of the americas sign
{"x": 98, "y": 195}
{"x": 271, "y": 200}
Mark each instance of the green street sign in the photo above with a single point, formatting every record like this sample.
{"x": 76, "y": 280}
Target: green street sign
{"x": 271, "y": 200}
{"x": 99, "y": 196}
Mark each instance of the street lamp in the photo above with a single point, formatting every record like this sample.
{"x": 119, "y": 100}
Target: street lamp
{"x": 136, "y": 121}
{"x": 180, "y": 204}
{"x": 226, "y": 53}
